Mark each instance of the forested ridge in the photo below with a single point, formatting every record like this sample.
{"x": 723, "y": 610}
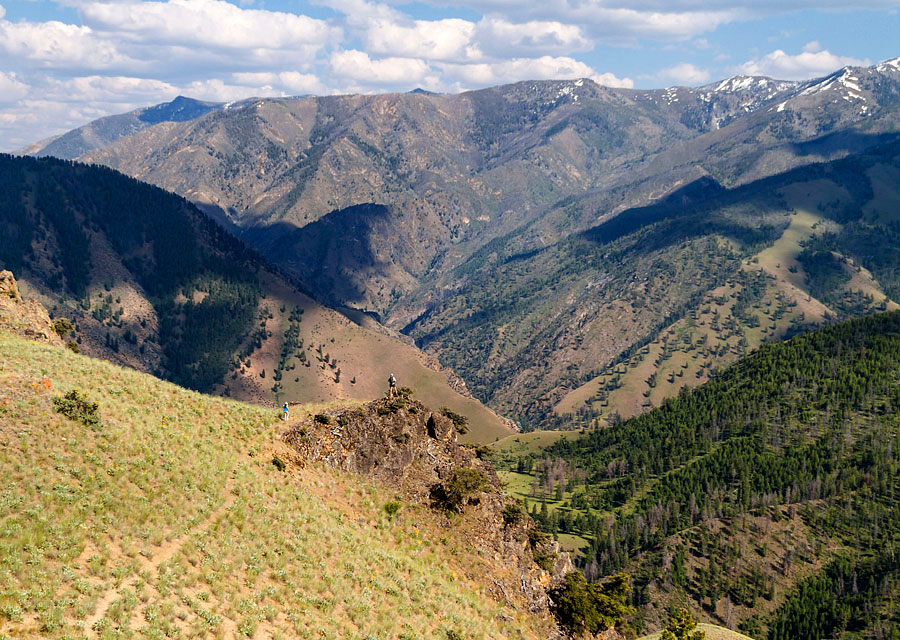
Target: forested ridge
{"x": 769, "y": 496}
{"x": 202, "y": 282}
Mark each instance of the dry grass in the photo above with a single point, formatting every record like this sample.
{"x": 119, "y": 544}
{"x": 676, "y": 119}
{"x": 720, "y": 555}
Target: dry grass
{"x": 787, "y": 283}
{"x": 170, "y": 520}
{"x": 365, "y": 356}
{"x": 524, "y": 443}
{"x": 687, "y": 351}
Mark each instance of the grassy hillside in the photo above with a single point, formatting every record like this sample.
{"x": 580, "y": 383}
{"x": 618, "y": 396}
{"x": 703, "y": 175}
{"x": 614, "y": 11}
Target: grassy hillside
{"x": 151, "y": 282}
{"x": 711, "y": 631}
{"x": 169, "y": 519}
{"x": 766, "y": 499}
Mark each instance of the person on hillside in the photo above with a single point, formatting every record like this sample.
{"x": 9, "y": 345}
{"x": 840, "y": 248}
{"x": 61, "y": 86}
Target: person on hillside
{"x": 286, "y": 411}
{"x": 392, "y": 386}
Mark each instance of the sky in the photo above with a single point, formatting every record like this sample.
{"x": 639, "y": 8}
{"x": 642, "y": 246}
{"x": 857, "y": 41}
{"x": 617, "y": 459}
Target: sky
{"x": 64, "y": 63}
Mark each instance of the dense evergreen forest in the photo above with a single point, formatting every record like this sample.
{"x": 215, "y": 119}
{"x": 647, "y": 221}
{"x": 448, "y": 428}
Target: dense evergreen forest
{"x": 769, "y": 496}
{"x": 56, "y": 215}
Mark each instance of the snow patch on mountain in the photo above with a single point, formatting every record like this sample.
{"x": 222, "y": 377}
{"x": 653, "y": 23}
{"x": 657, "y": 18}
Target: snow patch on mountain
{"x": 888, "y": 65}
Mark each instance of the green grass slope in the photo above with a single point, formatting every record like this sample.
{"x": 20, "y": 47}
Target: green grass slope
{"x": 711, "y": 631}
{"x": 168, "y": 519}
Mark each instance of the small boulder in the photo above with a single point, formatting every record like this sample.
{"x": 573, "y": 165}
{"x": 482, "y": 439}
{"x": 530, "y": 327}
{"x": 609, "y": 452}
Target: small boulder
{"x": 440, "y": 427}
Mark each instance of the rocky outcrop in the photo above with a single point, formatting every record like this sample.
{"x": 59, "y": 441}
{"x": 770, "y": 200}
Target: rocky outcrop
{"x": 27, "y": 318}
{"x": 402, "y": 443}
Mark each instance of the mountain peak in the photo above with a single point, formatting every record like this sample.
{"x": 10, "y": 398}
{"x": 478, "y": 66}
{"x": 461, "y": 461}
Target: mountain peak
{"x": 740, "y": 83}
{"x": 888, "y": 65}
{"x": 181, "y": 109}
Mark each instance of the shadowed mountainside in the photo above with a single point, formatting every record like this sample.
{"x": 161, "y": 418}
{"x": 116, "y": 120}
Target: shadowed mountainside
{"x": 150, "y": 282}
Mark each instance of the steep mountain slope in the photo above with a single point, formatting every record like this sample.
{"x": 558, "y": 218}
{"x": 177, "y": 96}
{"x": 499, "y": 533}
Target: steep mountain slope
{"x": 662, "y": 295}
{"x": 151, "y": 282}
{"x": 402, "y": 205}
{"x": 453, "y": 172}
{"x": 767, "y": 499}
{"x": 99, "y": 133}
{"x": 130, "y": 507}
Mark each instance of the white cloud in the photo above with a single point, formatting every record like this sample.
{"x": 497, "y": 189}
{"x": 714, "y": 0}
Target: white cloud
{"x": 217, "y": 90}
{"x": 11, "y": 90}
{"x": 558, "y": 7}
{"x": 623, "y": 26}
{"x": 609, "y": 21}
{"x": 291, "y": 82}
{"x": 812, "y": 47}
{"x": 611, "y": 80}
{"x": 435, "y": 40}
{"x": 683, "y": 74}
{"x": 57, "y": 45}
{"x": 503, "y": 38}
{"x": 358, "y": 67}
{"x": 209, "y": 23}
{"x": 802, "y": 66}
{"x": 543, "y": 68}
{"x": 112, "y": 89}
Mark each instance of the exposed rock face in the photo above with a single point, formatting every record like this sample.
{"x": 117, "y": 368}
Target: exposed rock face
{"x": 27, "y": 318}
{"x": 440, "y": 428}
{"x": 402, "y": 443}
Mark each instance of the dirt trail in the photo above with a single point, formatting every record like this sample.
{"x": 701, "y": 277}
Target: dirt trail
{"x": 162, "y": 555}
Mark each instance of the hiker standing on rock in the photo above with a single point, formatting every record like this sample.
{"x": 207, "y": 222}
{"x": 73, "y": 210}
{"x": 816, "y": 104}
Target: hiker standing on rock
{"x": 392, "y": 386}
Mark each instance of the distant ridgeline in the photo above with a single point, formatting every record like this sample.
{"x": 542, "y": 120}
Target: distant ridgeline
{"x": 770, "y": 496}
{"x": 54, "y": 218}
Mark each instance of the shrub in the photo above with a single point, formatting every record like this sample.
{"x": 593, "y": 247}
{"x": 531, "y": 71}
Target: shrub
{"x": 537, "y": 537}
{"x": 514, "y": 513}
{"x": 393, "y": 405}
{"x": 321, "y": 418}
{"x": 544, "y": 558}
{"x": 77, "y": 407}
{"x": 278, "y": 463}
{"x": 460, "y": 488}
{"x": 62, "y": 327}
{"x": 460, "y": 422}
{"x": 482, "y": 451}
{"x": 580, "y": 606}
{"x": 682, "y": 626}
{"x": 391, "y": 508}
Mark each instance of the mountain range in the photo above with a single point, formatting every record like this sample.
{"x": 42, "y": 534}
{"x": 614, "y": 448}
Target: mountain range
{"x": 648, "y": 270}
{"x": 481, "y": 224}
